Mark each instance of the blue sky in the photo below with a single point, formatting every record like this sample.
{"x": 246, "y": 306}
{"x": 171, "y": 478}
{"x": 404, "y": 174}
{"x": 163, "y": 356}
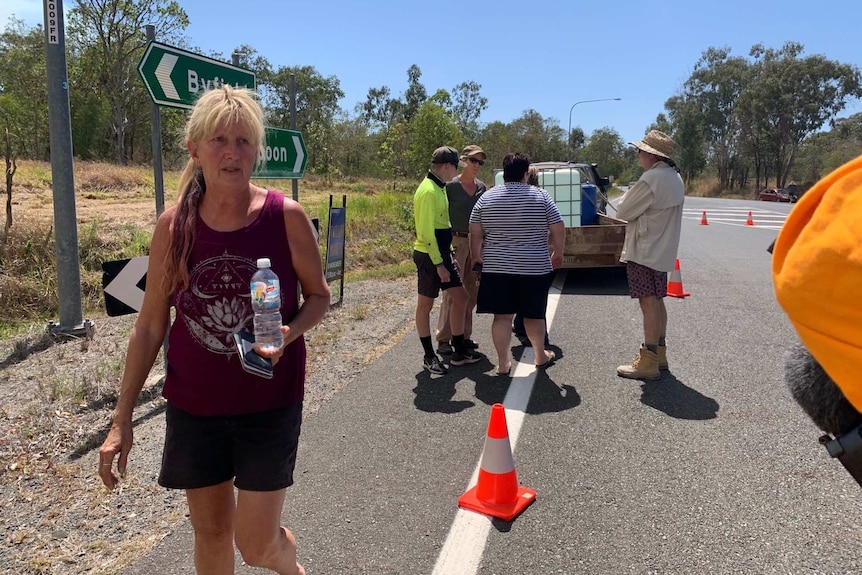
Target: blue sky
{"x": 544, "y": 54}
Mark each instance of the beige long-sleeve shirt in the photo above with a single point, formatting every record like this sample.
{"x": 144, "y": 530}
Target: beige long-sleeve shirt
{"x": 652, "y": 209}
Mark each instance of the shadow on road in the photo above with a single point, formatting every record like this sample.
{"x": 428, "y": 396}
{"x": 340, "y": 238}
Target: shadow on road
{"x": 671, "y": 396}
{"x": 596, "y": 281}
{"x": 434, "y": 393}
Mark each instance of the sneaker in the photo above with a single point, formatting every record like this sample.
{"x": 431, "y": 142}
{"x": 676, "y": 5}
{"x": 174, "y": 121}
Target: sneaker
{"x": 470, "y": 344}
{"x": 434, "y": 365}
{"x": 444, "y": 348}
{"x": 464, "y": 358}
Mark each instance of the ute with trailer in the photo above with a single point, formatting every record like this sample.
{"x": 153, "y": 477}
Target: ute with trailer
{"x": 593, "y": 239}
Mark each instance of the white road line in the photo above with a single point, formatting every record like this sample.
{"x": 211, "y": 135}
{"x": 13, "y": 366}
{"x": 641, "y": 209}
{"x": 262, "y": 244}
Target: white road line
{"x": 462, "y": 551}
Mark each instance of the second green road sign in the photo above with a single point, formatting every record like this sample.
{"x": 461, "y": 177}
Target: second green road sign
{"x": 175, "y": 78}
{"x": 285, "y": 155}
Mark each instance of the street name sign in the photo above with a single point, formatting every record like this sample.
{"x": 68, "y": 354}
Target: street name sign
{"x": 285, "y": 155}
{"x": 176, "y": 78}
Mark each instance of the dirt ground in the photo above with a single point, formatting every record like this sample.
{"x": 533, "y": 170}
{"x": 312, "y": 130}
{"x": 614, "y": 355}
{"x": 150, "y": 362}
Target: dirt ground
{"x": 57, "y": 517}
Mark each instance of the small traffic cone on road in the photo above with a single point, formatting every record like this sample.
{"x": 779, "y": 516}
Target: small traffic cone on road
{"x": 750, "y": 221}
{"x": 497, "y": 492}
{"x": 674, "y": 284}
{"x": 703, "y": 221}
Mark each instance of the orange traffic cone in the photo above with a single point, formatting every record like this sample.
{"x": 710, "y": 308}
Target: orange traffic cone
{"x": 674, "y": 285}
{"x": 703, "y": 221}
{"x": 749, "y": 222}
{"x": 497, "y": 492}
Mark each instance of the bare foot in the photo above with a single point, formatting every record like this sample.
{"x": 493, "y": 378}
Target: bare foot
{"x": 300, "y": 570}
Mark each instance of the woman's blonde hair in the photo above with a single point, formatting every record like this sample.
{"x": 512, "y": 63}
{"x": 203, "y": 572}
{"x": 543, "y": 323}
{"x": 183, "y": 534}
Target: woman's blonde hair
{"x": 215, "y": 108}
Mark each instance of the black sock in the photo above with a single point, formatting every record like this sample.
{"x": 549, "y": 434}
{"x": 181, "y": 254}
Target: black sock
{"x": 427, "y": 346}
{"x": 661, "y": 341}
{"x": 458, "y": 343}
{"x": 653, "y": 347}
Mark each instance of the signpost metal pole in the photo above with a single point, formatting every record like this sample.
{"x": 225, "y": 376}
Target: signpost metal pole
{"x": 295, "y": 183}
{"x": 156, "y": 139}
{"x": 63, "y": 177}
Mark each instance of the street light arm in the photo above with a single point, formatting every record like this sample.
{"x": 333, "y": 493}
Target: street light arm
{"x": 569, "y": 133}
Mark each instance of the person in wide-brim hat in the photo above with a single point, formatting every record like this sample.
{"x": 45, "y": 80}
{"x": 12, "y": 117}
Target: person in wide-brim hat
{"x": 656, "y": 143}
{"x": 652, "y": 209}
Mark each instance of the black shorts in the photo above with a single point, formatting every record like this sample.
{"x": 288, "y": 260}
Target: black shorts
{"x": 428, "y": 282}
{"x": 506, "y": 294}
{"x": 257, "y": 450}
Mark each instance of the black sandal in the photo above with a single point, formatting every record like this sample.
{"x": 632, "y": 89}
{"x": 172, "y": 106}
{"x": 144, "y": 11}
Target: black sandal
{"x": 552, "y": 357}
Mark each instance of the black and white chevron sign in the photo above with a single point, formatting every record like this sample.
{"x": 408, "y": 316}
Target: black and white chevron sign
{"x": 124, "y": 282}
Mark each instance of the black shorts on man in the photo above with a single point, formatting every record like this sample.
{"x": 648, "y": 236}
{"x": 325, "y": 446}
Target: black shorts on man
{"x": 428, "y": 280}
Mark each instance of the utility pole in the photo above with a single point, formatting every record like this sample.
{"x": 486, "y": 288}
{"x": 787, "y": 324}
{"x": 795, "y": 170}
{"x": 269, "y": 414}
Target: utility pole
{"x": 63, "y": 179}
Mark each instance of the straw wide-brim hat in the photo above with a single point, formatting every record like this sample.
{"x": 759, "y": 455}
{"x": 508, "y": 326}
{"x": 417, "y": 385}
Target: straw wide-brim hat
{"x": 657, "y": 143}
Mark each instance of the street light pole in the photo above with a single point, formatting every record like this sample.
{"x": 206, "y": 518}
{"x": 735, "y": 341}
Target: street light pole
{"x": 569, "y": 133}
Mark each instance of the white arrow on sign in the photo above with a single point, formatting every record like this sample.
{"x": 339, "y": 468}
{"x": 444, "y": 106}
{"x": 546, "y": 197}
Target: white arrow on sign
{"x": 163, "y": 75}
{"x": 125, "y": 288}
{"x": 297, "y": 166}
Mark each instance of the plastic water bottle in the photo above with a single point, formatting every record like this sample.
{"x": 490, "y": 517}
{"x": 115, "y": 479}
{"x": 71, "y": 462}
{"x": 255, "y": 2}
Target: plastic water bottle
{"x": 266, "y": 303}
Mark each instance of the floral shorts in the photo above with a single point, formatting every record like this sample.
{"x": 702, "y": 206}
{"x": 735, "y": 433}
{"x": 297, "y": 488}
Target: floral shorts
{"x": 646, "y": 282}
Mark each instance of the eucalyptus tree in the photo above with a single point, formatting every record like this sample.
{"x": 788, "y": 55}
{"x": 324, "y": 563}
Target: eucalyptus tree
{"x": 793, "y": 97}
{"x": 108, "y": 36}
{"x": 577, "y": 141}
{"x": 606, "y": 148}
{"x": 408, "y": 148}
{"x": 467, "y": 106}
{"x": 541, "y": 138}
{"x": 381, "y": 111}
{"x": 356, "y": 149}
{"x": 497, "y": 139}
{"x": 715, "y": 87}
{"x": 316, "y": 108}
{"x": 23, "y": 89}
{"x": 823, "y": 152}
{"x": 415, "y": 95}
{"x": 685, "y": 125}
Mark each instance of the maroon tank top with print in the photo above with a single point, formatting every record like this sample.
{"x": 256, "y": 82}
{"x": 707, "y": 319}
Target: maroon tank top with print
{"x": 204, "y": 375}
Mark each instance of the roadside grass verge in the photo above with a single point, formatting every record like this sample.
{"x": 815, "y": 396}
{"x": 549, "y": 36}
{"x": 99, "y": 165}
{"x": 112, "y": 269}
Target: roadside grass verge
{"x": 115, "y": 209}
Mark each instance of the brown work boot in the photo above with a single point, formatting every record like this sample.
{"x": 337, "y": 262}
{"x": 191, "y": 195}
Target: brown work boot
{"x": 662, "y": 358}
{"x": 644, "y": 366}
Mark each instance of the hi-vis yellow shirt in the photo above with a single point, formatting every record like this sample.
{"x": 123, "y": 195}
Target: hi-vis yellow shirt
{"x": 817, "y": 270}
{"x": 430, "y": 212}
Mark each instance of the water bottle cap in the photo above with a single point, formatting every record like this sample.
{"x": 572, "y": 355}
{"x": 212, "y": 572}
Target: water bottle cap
{"x": 263, "y": 263}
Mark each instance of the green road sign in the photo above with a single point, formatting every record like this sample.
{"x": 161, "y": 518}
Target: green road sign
{"x": 176, "y": 78}
{"x": 285, "y": 155}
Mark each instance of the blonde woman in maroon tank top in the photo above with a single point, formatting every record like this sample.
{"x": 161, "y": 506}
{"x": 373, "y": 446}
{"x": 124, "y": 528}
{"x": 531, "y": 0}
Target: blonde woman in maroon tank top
{"x": 202, "y": 256}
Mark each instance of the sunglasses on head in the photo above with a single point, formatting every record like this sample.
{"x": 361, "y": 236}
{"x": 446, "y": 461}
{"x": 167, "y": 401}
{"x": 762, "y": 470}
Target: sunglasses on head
{"x": 475, "y": 161}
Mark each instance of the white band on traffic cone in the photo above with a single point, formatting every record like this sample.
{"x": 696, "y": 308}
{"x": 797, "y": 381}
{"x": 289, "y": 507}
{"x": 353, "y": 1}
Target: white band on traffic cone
{"x": 497, "y": 456}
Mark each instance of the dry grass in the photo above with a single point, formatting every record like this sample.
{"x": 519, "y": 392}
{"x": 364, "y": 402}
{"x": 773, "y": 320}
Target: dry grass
{"x": 708, "y": 187}
{"x": 116, "y": 214}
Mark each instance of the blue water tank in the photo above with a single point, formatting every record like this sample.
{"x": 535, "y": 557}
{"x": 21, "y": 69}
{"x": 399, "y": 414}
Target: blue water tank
{"x": 589, "y": 203}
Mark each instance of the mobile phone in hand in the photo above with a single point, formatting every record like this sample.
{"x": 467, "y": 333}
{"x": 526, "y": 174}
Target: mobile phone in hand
{"x": 251, "y": 361}
{"x": 477, "y": 267}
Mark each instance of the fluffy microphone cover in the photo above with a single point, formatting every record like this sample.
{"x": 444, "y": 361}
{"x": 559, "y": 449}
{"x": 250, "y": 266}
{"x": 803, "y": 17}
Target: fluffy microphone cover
{"x": 817, "y": 394}
{"x": 817, "y": 271}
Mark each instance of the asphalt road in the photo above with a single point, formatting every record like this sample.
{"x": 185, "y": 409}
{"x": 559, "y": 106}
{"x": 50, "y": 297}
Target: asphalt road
{"x": 712, "y": 469}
